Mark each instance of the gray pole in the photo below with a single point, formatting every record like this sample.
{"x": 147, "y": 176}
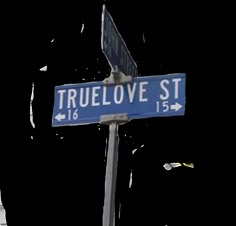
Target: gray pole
{"x": 113, "y": 120}
{"x": 111, "y": 173}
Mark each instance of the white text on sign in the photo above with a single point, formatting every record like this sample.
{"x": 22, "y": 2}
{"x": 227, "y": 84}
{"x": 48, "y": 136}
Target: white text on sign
{"x": 98, "y": 95}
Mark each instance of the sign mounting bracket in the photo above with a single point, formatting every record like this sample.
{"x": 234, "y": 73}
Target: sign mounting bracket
{"x": 117, "y": 77}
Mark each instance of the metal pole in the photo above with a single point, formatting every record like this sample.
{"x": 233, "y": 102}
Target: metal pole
{"x": 111, "y": 173}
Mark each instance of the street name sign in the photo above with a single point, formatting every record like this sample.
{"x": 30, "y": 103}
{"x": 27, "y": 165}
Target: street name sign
{"x": 144, "y": 97}
{"x": 114, "y": 47}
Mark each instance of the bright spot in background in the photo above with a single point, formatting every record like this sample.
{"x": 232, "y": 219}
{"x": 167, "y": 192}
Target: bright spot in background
{"x": 2, "y": 213}
{"x": 119, "y": 210}
{"x": 31, "y": 109}
{"x": 167, "y": 166}
{"x": 130, "y": 179}
{"x": 134, "y": 150}
{"x": 82, "y": 28}
{"x": 175, "y": 164}
{"x": 143, "y": 38}
{"x": 0, "y": 199}
{"x": 45, "y": 68}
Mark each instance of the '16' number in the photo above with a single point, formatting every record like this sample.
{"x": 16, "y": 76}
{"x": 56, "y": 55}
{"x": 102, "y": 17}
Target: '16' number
{"x": 73, "y": 114}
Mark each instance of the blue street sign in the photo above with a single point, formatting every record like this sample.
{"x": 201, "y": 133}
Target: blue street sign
{"x": 114, "y": 47}
{"x": 145, "y": 97}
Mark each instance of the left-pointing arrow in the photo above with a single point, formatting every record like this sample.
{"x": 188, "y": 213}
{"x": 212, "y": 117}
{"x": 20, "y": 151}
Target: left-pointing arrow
{"x": 60, "y": 116}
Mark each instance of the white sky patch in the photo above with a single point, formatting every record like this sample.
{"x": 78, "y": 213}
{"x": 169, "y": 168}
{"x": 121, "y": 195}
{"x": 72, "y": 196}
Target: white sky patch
{"x": 119, "y": 210}
{"x": 99, "y": 127}
{"x": 167, "y": 166}
{"x": 2, "y": 213}
{"x": 175, "y": 164}
{"x": 82, "y": 28}
{"x": 130, "y": 179}
{"x": 143, "y": 36}
{"x": 0, "y": 199}
{"x": 31, "y": 109}
{"x": 45, "y": 68}
{"x": 134, "y": 150}
{"x": 190, "y": 165}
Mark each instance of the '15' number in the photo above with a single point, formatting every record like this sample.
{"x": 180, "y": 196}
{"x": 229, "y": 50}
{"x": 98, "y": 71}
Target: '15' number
{"x": 164, "y": 105}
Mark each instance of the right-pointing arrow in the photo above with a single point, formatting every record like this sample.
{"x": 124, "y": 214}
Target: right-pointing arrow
{"x": 60, "y": 116}
{"x": 175, "y": 106}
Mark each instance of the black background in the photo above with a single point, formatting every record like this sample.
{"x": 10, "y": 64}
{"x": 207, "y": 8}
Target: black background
{"x": 49, "y": 180}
